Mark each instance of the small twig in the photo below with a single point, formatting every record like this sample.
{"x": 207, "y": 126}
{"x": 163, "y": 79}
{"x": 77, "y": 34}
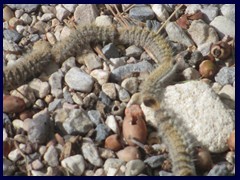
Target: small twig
{"x": 99, "y": 51}
{"x": 170, "y": 17}
{"x": 131, "y": 6}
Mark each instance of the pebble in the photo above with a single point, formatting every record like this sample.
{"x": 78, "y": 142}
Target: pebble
{"x": 95, "y": 116}
{"x": 61, "y": 13}
{"x": 91, "y": 60}
{"x": 55, "y": 104}
{"x": 224, "y": 26}
{"x": 110, "y": 51}
{"x": 10, "y": 46}
{"x": 77, "y": 122}
{"x": 70, "y": 7}
{"x": 205, "y": 48}
{"x": 12, "y": 104}
{"x": 40, "y": 89}
{"x": 26, "y": 93}
{"x": 74, "y": 164}
{"x": 129, "y": 153}
{"x": 134, "y": 167}
{"x": 102, "y": 132}
{"x": 202, "y": 33}
{"x": 51, "y": 38}
{"x": 209, "y": 13}
{"x": 123, "y": 95}
{"x": 66, "y": 31}
{"x": 141, "y": 13}
{"x": 68, "y": 64}
{"x": 227, "y": 92}
{"x": 90, "y": 153}
{"x": 15, "y": 154}
{"x": 7, "y": 13}
{"x": 28, "y": 8}
{"x": 34, "y": 37}
{"x": 112, "y": 124}
{"x": 130, "y": 84}
{"x": 55, "y": 81}
{"x": 37, "y": 173}
{"x": 116, "y": 62}
{"x": 100, "y": 75}
{"x": 165, "y": 173}
{"x": 106, "y": 153}
{"x": 99, "y": 172}
{"x": 228, "y": 10}
{"x": 47, "y": 17}
{"x": 110, "y": 90}
{"x": 155, "y": 161}
{"x": 5, "y": 136}
{"x": 27, "y": 20}
{"x": 133, "y": 51}
{"x": 19, "y": 13}
{"x": 67, "y": 95}
{"x": 12, "y": 35}
{"x": 37, "y": 164}
{"x": 160, "y": 11}
{"x": 177, "y": 34}
{"x": 226, "y": 75}
{"x": 192, "y": 8}
{"x": 78, "y": 80}
{"x": 40, "y": 26}
{"x": 85, "y": 14}
{"x": 103, "y": 20}
{"x": 127, "y": 70}
{"x": 17, "y": 124}
{"x": 189, "y": 101}
{"x": 51, "y": 156}
{"x": 153, "y": 25}
{"x": 112, "y": 163}
{"x": 219, "y": 170}
{"x": 191, "y": 74}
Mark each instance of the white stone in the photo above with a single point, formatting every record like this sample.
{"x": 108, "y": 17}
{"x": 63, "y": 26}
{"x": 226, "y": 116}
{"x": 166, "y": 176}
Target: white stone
{"x": 191, "y": 74}
{"x": 17, "y": 123}
{"x": 47, "y": 16}
{"x": 66, "y": 31}
{"x": 100, "y": 75}
{"x": 103, "y": 20}
{"x": 74, "y": 164}
{"x": 160, "y": 11}
{"x": 228, "y": 92}
{"x": 112, "y": 124}
{"x": 40, "y": 89}
{"x": 228, "y": 10}
{"x": 62, "y": 13}
{"x": 79, "y": 80}
{"x": 51, "y": 156}
{"x": 51, "y": 38}
{"x": 15, "y": 154}
{"x": 110, "y": 90}
{"x": 70, "y": 7}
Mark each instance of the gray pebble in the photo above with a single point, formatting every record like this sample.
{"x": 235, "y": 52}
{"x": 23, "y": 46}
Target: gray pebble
{"x": 134, "y": 167}
{"x": 5, "y": 118}
{"x": 219, "y": 170}
{"x": 226, "y": 75}
{"x": 61, "y": 13}
{"x": 92, "y": 61}
{"x": 55, "y": 104}
{"x": 116, "y": 62}
{"x": 40, "y": 26}
{"x": 19, "y": 13}
{"x": 68, "y": 64}
{"x": 123, "y": 95}
{"x": 130, "y": 84}
{"x": 55, "y": 81}
{"x": 27, "y": 7}
{"x": 95, "y": 116}
{"x": 79, "y": 80}
{"x": 102, "y": 132}
{"x": 160, "y": 11}
{"x": 70, "y": 7}
{"x": 103, "y": 20}
{"x": 224, "y": 26}
{"x": 202, "y": 33}
{"x": 110, "y": 90}
{"x": 12, "y": 35}
{"x": 39, "y": 127}
{"x": 34, "y": 37}
{"x": 67, "y": 95}
{"x": 110, "y": 51}
{"x": 209, "y": 13}
{"x": 85, "y": 13}
{"x": 155, "y": 161}
{"x": 134, "y": 51}
{"x": 227, "y": 92}
{"x": 47, "y": 17}
{"x": 112, "y": 163}
{"x": 228, "y": 10}
{"x": 37, "y": 164}
{"x": 165, "y": 173}
{"x": 141, "y": 13}
{"x": 77, "y": 122}
{"x": 104, "y": 99}
{"x": 125, "y": 71}
{"x": 153, "y": 25}
{"x": 10, "y": 46}
{"x": 90, "y": 153}
{"x": 177, "y": 34}
{"x": 40, "y": 89}
{"x": 51, "y": 156}
{"x": 26, "y": 19}
{"x": 74, "y": 164}
{"x": 8, "y": 167}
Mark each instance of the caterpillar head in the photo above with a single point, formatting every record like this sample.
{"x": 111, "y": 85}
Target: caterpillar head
{"x": 151, "y": 101}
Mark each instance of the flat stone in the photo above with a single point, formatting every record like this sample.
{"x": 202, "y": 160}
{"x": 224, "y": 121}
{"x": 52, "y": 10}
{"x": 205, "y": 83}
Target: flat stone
{"x": 134, "y": 51}
{"x": 226, "y": 75}
{"x": 177, "y": 34}
{"x": 85, "y": 13}
{"x": 91, "y": 60}
{"x": 66, "y": 31}
{"x": 141, "y": 13}
{"x": 79, "y": 80}
{"x": 7, "y": 13}
{"x": 74, "y": 164}
{"x": 51, "y": 38}
{"x": 62, "y": 13}
{"x": 227, "y": 92}
{"x": 47, "y": 17}
{"x": 77, "y": 122}
{"x": 90, "y": 153}
{"x": 12, "y": 35}
{"x": 134, "y": 167}
{"x": 68, "y": 64}
{"x": 110, "y": 51}
{"x": 55, "y": 81}
{"x": 51, "y": 156}
{"x": 224, "y": 26}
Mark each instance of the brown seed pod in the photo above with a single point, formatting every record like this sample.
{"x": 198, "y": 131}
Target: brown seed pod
{"x": 204, "y": 161}
{"x": 231, "y": 141}
{"x": 134, "y": 125}
{"x": 207, "y": 69}
{"x": 12, "y": 104}
{"x": 112, "y": 142}
{"x": 129, "y": 153}
{"x": 221, "y": 50}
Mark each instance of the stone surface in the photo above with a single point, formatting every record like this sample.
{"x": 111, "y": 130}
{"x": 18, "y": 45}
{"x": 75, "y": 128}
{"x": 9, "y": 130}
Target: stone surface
{"x": 110, "y": 51}
{"x": 61, "y": 12}
{"x": 134, "y": 167}
{"x": 141, "y": 13}
{"x": 70, "y": 7}
{"x": 202, "y": 113}
{"x": 133, "y": 51}
{"x": 95, "y": 116}
{"x": 155, "y": 161}
{"x": 224, "y": 26}
{"x": 27, "y": 20}
{"x": 228, "y": 10}
{"x": 103, "y": 20}
{"x": 77, "y": 122}
{"x": 227, "y": 92}
{"x": 102, "y": 132}
{"x": 55, "y": 81}
{"x": 202, "y": 33}
{"x": 100, "y": 75}
{"x": 66, "y": 31}
{"x": 51, "y": 156}
{"x": 26, "y": 7}
{"x": 85, "y": 14}
{"x": 127, "y": 70}
{"x": 112, "y": 124}
{"x": 78, "y": 80}
{"x": 39, "y": 127}
{"x": 74, "y": 164}
{"x": 226, "y": 75}
{"x": 110, "y": 90}
{"x": 90, "y": 153}
{"x": 130, "y": 84}
{"x": 40, "y": 89}
{"x": 7, "y": 13}
{"x": 123, "y": 95}
{"x": 12, "y": 35}
{"x": 209, "y": 13}
{"x": 91, "y": 60}
{"x": 47, "y": 17}
{"x": 112, "y": 163}
{"x": 68, "y": 64}
{"x": 177, "y": 34}
{"x": 160, "y": 11}
{"x": 191, "y": 74}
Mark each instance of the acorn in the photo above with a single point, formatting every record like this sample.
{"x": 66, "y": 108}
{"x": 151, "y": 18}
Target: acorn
{"x": 207, "y": 69}
{"x": 221, "y": 50}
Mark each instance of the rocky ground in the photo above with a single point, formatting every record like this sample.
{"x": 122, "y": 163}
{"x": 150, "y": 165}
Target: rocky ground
{"x": 70, "y": 120}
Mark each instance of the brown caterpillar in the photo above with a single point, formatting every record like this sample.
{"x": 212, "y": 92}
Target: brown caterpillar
{"x": 177, "y": 141}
